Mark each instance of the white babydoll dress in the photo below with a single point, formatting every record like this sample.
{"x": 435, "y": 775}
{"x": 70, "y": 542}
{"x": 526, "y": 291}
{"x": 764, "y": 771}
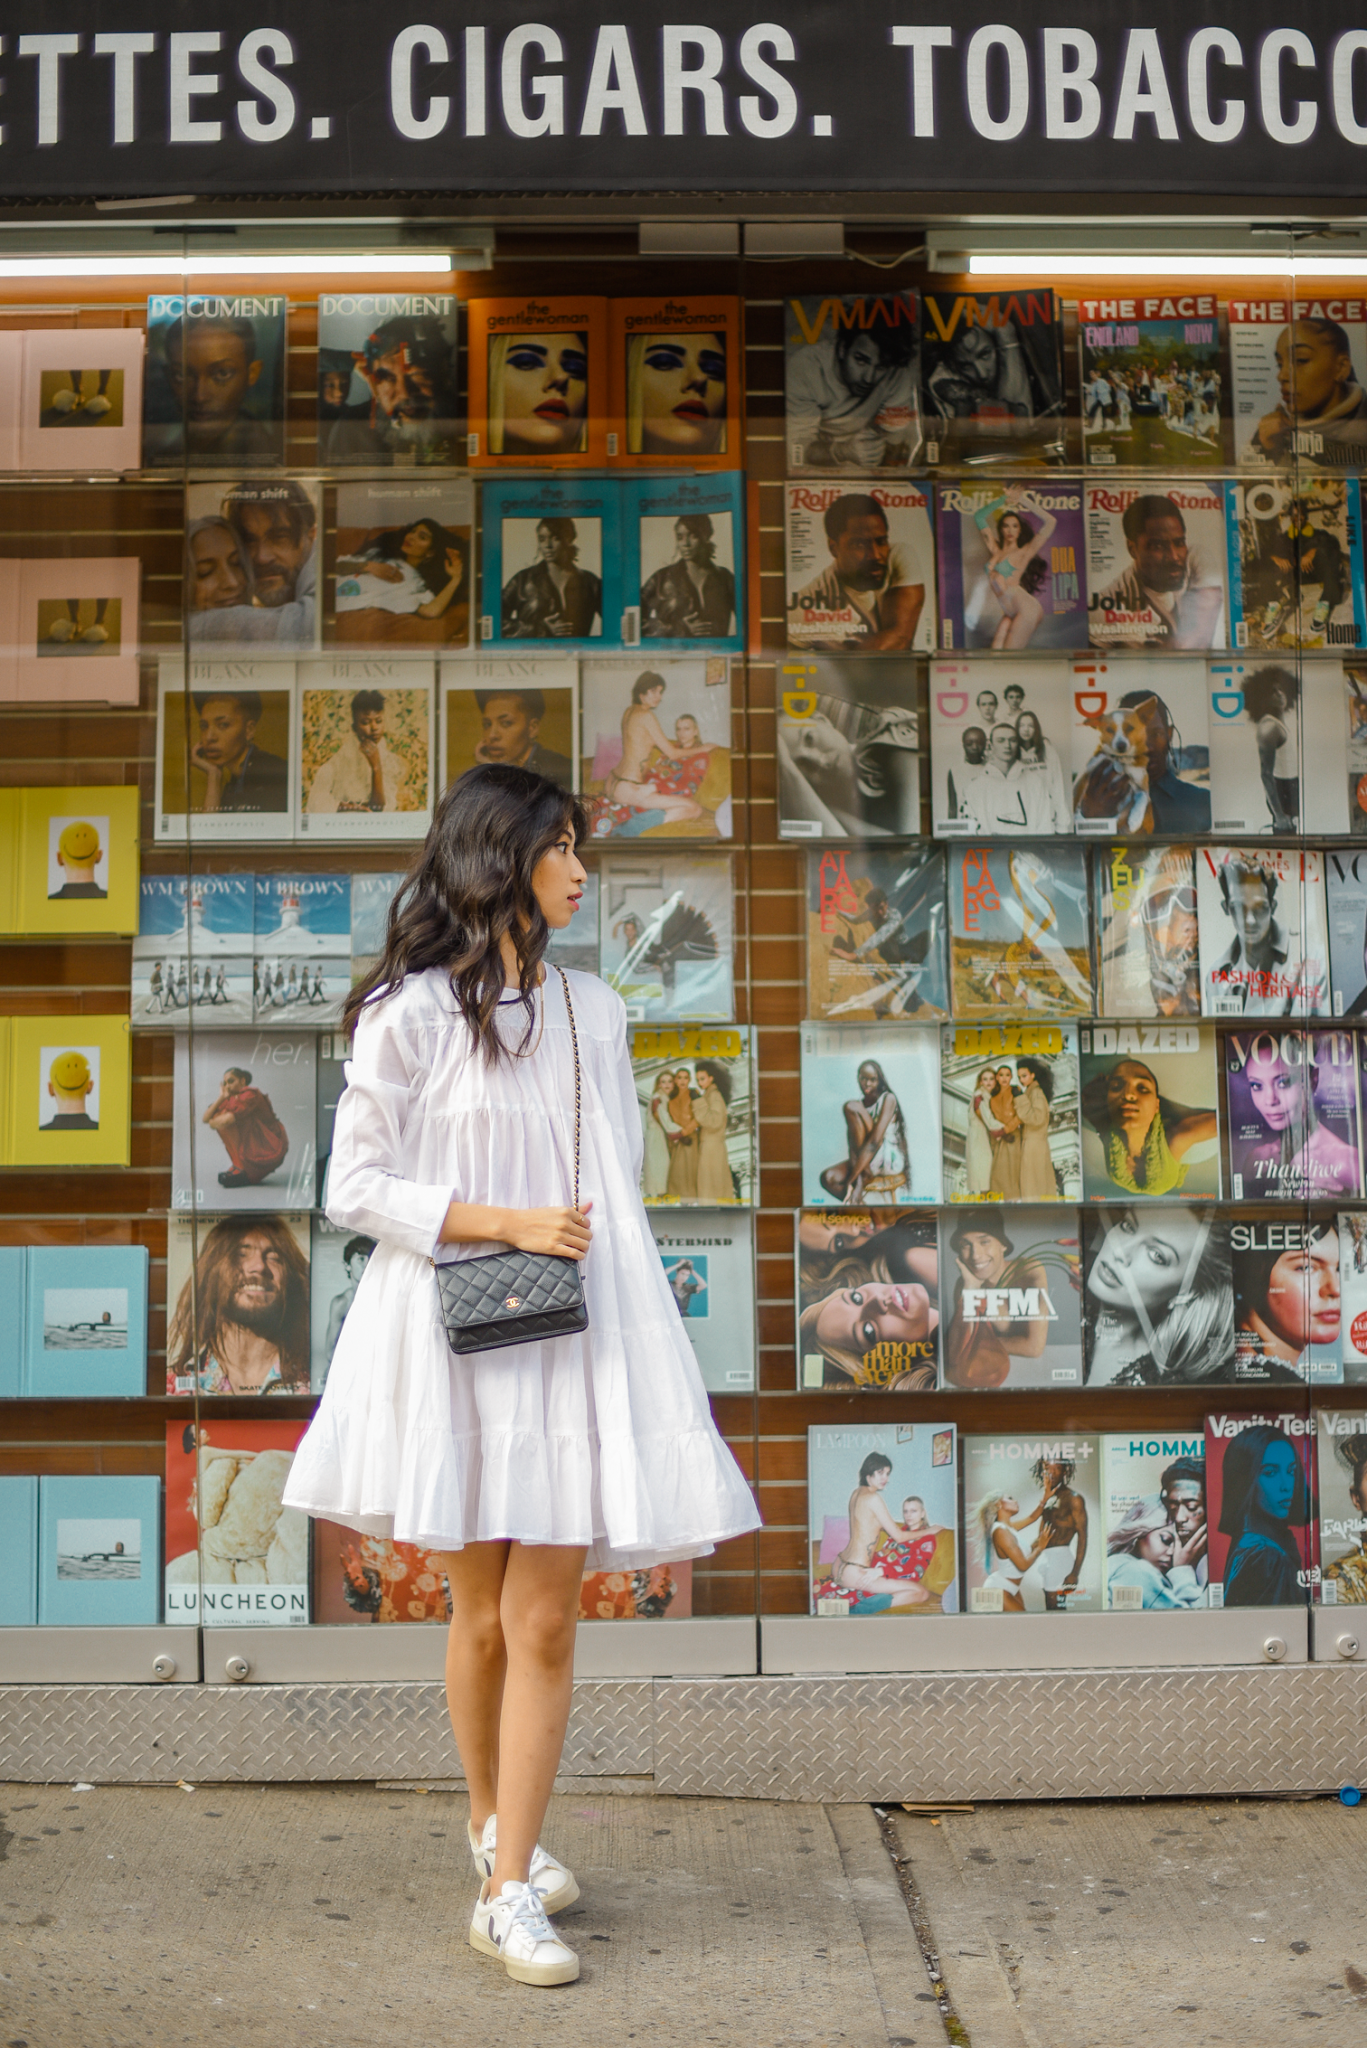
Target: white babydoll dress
{"x": 603, "y": 1439}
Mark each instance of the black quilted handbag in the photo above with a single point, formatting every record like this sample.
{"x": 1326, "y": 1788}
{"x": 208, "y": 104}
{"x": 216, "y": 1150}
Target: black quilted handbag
{"x": 516, "y": 1297}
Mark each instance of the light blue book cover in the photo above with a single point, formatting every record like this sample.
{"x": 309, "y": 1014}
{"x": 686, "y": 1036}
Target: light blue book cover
{"x": 12, "y": 1266}
{"x": 552, "y": 563}
{"x": 86, "y": 1320}
{"x": 19, "y": 1536}
{"x": 193, "y": 951}
{"x": 683, "y": 566}
{"x": 371, "y": 896}
{"x": 303, "y": 950}
{"x": 99, "y": 1549}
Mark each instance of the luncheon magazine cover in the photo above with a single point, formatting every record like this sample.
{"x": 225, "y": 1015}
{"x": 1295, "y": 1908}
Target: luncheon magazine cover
{"x": 860, "y": 561}
{"x": 848, "y": 740}
{"x": 1156, "y": 565}
{"x": 666, "y": 936}
{"x": 1276, "y": 734}
{"x": 1341, "y": 1461}
{"x": 1264, "y": 945}
{"x": 1295, "y": 564}
{"x": 235, "y": 1553}
{"x": 1011, "y": 559}
{"x": 1033, "y": 1523}
{"x": 1154, "y": 382}
{"x": 868, "y": 1292}
{"x": 1020, "y": 939}
{"x": 1287, "y": 1304}
{"x": 1158, "y": 1301}
{"x": 866, "y": 1089}
{"x": 1156, "y": 1531}
{"x": 1300, "y": 375}
{"x": 1260, "y": 1488}
{"x": 1009, "y": 1111}
{"x": 1292, "y": 1107}
{"x": 877, "y": 934}
{"x": 852, "y": 383}
{"x": 882, "y": 1503}
{"x": 999, "y": 748}
{"x": 1012, "y": 1308}
{"x": 1148, "y": 960}
{"x": 1140, "y": 749}
{"x": 992, "y": 376}
{"x": 695, "y": 1089}
{"x": 1149, "y": 1122}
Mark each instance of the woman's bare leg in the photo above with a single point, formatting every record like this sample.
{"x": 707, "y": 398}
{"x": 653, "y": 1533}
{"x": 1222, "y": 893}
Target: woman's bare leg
{"x": 1029, "y": 612}
{"x": 540, "y": 1609}
{"x": 476, "y": 1665}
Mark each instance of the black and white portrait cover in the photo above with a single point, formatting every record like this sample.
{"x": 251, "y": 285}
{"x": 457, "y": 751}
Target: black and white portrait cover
{"x": 683, "y": 574}
{"x": 1158, "y": 1297}
{"x": 999, "y": 748}
{"x": 992, "y": 375}
{"x": 551, "y": 558}
{"x": 860, "y": 567}
{"x": 848, "y": 745}
{"x": 877, "y": 931}
{"x": 852, "y": 383}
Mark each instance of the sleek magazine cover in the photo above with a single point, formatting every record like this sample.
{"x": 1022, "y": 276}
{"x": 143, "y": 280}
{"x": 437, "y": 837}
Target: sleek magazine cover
{"x": 550, "y": 563}
{"x": 302, "y": 967}
{"x": 1148, "y": 961}
{"x": 1260, "y": 1485}
{"x": 655, "y": 747}
{"x": 1156, "y": 1531}
{"x": 86, "y": 1321}
{"x": 1153, "y": 382}
{"x": 865, "y": 1089}
{"x": 366, "y": 748}
{"x": 235, "y": 1553}
{"x": 868, "y": 1292}
{"x": 225, "y": 750}
{"x": 192, "y": 956}
{"x": 1276, "y": 733}
{"x": 848, "y": 737}
{"x": 253, "y": 558}
{"x": 522, "y": 711}
{"x": 1263, "y": 938}
{"x": 882, "y": 1505}
{"x": 1140, "y": 750}
{"x": 709, "y": 1264}
{"x": 852, "y": 383}
{"x": 1011, "y": 564}
{"x": 860, "y": 559}
{"x": 1158, "y": 1300}
{"x": 97, "y": 1550}
{"x": 237, "y": 1295}
{"x": 695, "y": 1087}
{"x": 244, "y": 1119}
{"x": 999, "y": 748}
{"x": 1149, "y": 1122}
{"x": 877, "y": 934}
{"x": 674, "y": 383}
{"x": 1292, "y": 1109}
{"x": 215, "y": 393}
{"x": 388, "y": 379}
{"x": 337, "y": 1263}
{"x": 1156, "y": 565}
{"x": 666, "y": 936}
{"x": 1295, "y": 563}
{"x": 1020, "y": 938}
{"x": 1012, "y": 1315}
{"x": 1033, "y": 1523}
{"x": 683, "y": 563}
{"x": 1287, "y": 1301}
{"x": 1009, "y": 1111}
{"x": 992, "y": 375}
{"x": 538, "y": 377}
{"x": 402, "y": 565}
{"x": 1300, "y": 375}
{"x": 1341, "y": 1470}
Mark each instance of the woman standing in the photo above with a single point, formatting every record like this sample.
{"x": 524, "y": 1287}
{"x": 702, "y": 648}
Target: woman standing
{"x": 1015, "y": 562}
{"x": 1265, "y": 1503}
{"x": 681, "y": 1185}
{"x": 983, "y": 1132}
{"x": 1038, "y": 1182}
{"x": 710, "y": 1110}
{"x": 519, "y": 1466}
{"x": 1006, "y": 1151}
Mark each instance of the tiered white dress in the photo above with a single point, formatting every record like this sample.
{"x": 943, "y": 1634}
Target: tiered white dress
{"x": 603, "y": 1439}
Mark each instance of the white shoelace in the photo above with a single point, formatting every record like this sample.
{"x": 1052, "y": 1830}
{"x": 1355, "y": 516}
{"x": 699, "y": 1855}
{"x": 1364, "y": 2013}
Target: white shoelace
{"x": 529, "y": 1914}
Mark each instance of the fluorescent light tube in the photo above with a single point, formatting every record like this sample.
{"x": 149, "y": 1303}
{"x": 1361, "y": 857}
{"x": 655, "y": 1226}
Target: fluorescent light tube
{"x": 422, "y": 263}
{"x": 1101, "y": 265}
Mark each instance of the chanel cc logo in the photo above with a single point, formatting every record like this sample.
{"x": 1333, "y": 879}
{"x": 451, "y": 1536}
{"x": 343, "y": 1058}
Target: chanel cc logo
{"x": 511, "y": 1301}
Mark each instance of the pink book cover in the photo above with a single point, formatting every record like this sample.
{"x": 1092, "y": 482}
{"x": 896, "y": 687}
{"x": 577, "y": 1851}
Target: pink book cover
{"x": 80, "y": 398}
{"x": 76, "y": 630}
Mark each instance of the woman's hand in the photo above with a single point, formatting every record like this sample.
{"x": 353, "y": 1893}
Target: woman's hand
{"x": 562, "y": 1232}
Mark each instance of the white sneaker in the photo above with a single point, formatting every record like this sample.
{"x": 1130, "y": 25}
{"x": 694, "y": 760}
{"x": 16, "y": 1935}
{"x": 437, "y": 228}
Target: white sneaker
{"x": 551, "y": 1880}
{"x": 66, "y": 401}
{"x": 61, "y": 630}
{"x": 514, "y": 1928}
{"x": 97, "y": 407}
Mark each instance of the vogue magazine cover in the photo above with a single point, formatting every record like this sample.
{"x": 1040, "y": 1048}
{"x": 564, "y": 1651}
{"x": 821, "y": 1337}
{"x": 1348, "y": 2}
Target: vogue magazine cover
{"x": 1033, "y": 1524}
{"x": 1020, "y": 938}
{"x": 1009, "y": 1106}
{"x": 1264, "y": 947}
{"x": 1011, "y": 559}
{"x": 868, "y": 1292}
{"x": 1345, "y": 877}
{"x": 883, "y": 1519}
{"x": 1149, "y": 1121}
{"x": 1158, "y": 1298}
{"x": 1292, "y": 1100}
{"x": 848, "y": 744}
{"x": 877, "y": 934}
{"x": 1012, "y": 1298}
{"x": 852, "y": 383}
{"x": 999, "y": 749}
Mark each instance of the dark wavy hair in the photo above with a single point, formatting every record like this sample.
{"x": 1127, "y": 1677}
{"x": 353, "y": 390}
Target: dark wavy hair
{"x": 471, "y": 884}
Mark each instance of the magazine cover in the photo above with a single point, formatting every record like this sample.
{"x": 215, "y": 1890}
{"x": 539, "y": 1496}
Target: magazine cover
{"x": 361, "y": 1579}
{"x": 674, "y": 383}
{"x": 1019, "y": 936}
{"x": 244, "y": 1119}
{"x": 860, "y": 562}
{"x": 876, "y": 934}
{"x": 999, "y": 748}
{"x": 1341, "y": 1470}
{"x": 655, "y": 747}
{"x": 76, "y": 869}
{"x": 1153, "y": 382}
{"x": 366, "y": 747}
{"x": 1300, "y": 372}
{"x": 86, "y": 1321}
{"x": 215, "y": 396}
{"x": 1012, "y": 1318}
{"x": 522, "y": 712}
{"x": 577, "y": 944}
{"x": 1156, "y": 565}
{"x": 76, "y": 628}
{"x": 868, "y": 1293}
{"x": 709, "y": 1264}
{"x": 1140, "y": 752}
{"x": 388, "y": 389}
{"x": 252, "y": 562}
{"x": 992, "y": 375}
{"x": 13, "y": 1267}
{"x": 1009, "y": 1106}
{"x": 1263, "y": 718}
{"x": 371, "y": 896}
{"x": 1034, "y": 1530}
{"x": 80, "y": 399}
{"x": 666, "y": 937}
{"x": 235, "y": 1554}
{"x": 538, "y": 374}
{"x": 882, "y": 1506}
{"x": 865, "y": 1091}
{"x": 302, "y": 968}
{"x": 19, "y": 1533}
{"x": 334, "y": 1050}
{"x": 69, "y": 1093}
{"x": 1287, "y": 1299}
{"x": 1156, "y": 1532}
{"x": 852, "y": 383}
{"x": 1295, "y": 563}
{"x": 338, "y": 1259}
{"x": 657, "y": 1592}
{"x": 1355, "y": 719}
{"x": 1292, "y": 1108}
{"x": 695, "y": 1087}
{"x": 1149, "y": 1122}
{"x": 551, "y": 558}
{"x": 1352, "y": 1230}
{"x": 403, "y": 573}
{"x": 683, "y": 569}
{"x": 1148, "y": 962}
{"x": 1264, "y": 945}
{"x": 193, "y": 952}
{"x": 97, "y": 1550}
{"x": 225, "y": 750}
{"x": 1345, "y": 876}
{"x": 1010, "y": 561}
{"x": 1260, "y": 1485}
{"x": 848, "y": 736}
{"x": 1158, "y": 1303}
{"x": 237, "y": 1294}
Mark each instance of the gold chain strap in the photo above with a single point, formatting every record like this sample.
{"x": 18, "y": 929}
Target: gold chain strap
{"x": 574, "y": 1041}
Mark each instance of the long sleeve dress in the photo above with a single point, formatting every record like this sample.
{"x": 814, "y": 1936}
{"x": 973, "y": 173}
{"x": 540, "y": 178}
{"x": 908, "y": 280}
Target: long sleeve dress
{"x": 603, "y": 1439}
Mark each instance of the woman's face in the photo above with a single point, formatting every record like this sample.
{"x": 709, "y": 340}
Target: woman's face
{"x": 664, "y": 1083}
{"x": 417, "y": 544}
{"x": 1274, "y": 1482}
{"x": 1143, "y": 1260}
{"x": 1028, "y": 730}
{"x": 1025, "y": 1075}
{"x": 218, "y": 572}
{"x": 1131, "y": 1100}
{"x": 1004, "y": 1077}
{"x": 1303, "y": 1296}
{"x": 987, "y": 1078}
{"x": 1011, "y": 531}
{"x": 1006, "y": 1507}
{"x": 545, "y": 393}
{"x": 683, "y": 1084}
{"x": 1311, "y": 372}
{"x": 1158, "y": 1547}
{"x": 704, "y": 1079}
{"x": 870, "y": 1081}
{"x": 1277, "y": 1092}
{"x": 818, "y": 1233}
{"x": 550, "y": 546}
{"x": 558, "y": 882}
{"x": 884, "y": 1312}
{"x": 683, "y": 393}
{"x": 687, "y": 545}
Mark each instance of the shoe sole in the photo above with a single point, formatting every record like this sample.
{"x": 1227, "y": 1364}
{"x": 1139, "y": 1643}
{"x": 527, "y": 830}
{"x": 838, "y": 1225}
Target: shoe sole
{"x": 545, "y": 1975}
{"x": 551, "y": 1902}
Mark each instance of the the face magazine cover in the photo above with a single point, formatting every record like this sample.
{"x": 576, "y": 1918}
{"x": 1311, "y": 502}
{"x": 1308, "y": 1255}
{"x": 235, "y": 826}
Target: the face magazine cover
{"x": 1153, "y": 382}
{"x": 709, "y": 1264}
{"x": 237, "y": 1292}
{"x": 860, "y": 559}
{"x": 1158, "y": 1296}
{"x": 1292, "y": 1101}
{"x": 655, "y": 739}
{"x": 1149, "y": 1120}
{"x": 537, "y": 372}
{"x": 674, "y": 392}
{"x": 234, "y": 1551}
{"x": 193, "y": 952}
{"x": 1156, "y": 1532}
{"x": 550, "y": 563}
{"x": 1288, "y": 1309}
{"x": 403, "y": 571}
{"x": 1300, "y": 382}
{"x": 695, "y": 1088}
{"x": 1264, "y": 945}
{"x": 877, "y": 942}
{"x": 388, "y": 382}
{"x": 666, "y": 936}
{"x": 253, "y": 550}
{"x": 302, "y": 965}
{"x": 848, "y": 744}
{"x": 1140, "y": 749}
{"x": 1034, "y": 1532}
{"x": 215, "y": 395}
{"x": 992, "y": 375}
{"x": 883, "y": 1514}
{"x": 1012, "y": 1286}
{"x": 1260, "y": 1490}
{"x": 1295, "y": 563}
{"x": 1341, "y": 1459}
{"x": 1010, "y": 561}
{"x": 852, "y": 383}
{"x": 1276, "y": 735}
{"x": 868, "y": 1293}
{"x": 1009, "y": 1109}
{"x": 683, "y": 563}
{"x": 999, "y": 748}
{"x": 244, "y": 1130}
{"x": 1020, "y": 940}
{"x": 1156, "y": 565}
{"x": 865, "y": 1091}
{"x": 1148, "y": 960}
